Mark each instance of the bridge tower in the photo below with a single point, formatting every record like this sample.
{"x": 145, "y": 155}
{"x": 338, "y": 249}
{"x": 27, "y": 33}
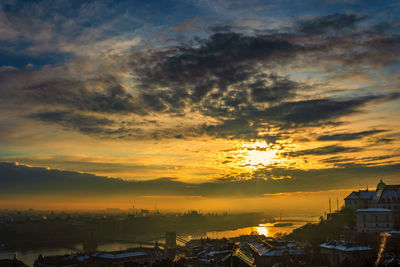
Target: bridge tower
{"x": 170, "y": 240}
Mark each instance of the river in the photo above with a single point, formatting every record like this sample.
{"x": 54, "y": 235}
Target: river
{"x": 268, "y": 229}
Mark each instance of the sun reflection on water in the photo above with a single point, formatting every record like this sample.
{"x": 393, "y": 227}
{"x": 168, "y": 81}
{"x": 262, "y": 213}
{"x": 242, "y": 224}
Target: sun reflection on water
{"x": 262, "y": 230}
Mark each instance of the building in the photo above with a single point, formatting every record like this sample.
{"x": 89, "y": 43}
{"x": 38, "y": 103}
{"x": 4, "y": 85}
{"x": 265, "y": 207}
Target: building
{"x": 129, "y": 257}
{"x": 389, "y": 198}
{"x": 118, "y": 258}
{"x": 347, "y": 254}
{"x": 209, "y": 252}
{"x": 69, "y": 260}
{"x": 361, "y": 199}
{"x": 123, "y": 258}
{"x": 376, "y": 211}
{"x": 12, "y": 263}
{"x": 237, "y": 258}
{"x": 266, "y": 254}
{"x": 385, "y": 196}
{"x": 376, "y": 220}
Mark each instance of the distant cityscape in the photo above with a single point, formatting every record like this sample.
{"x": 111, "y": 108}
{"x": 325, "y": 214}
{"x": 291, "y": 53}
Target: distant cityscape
{"x": 364, "y": 232}
{"x": 210, "y": 133}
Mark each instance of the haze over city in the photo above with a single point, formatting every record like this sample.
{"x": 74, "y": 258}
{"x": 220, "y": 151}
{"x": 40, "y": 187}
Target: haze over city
{"x": 211, "y": 105}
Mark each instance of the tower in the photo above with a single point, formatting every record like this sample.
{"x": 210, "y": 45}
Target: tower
{"x": 170, "y": 239}
{"x": 330, "y": 209}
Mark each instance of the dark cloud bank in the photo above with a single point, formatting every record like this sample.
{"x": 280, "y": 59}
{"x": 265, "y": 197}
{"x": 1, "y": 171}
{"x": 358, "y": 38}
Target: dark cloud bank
{"x": 18, "y": 181}
{"x": 329, "y": 23}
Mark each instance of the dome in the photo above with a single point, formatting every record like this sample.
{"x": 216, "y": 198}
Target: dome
{"x": 380, "y": 186}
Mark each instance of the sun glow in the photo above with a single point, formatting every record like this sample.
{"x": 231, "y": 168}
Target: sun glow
{"x": 262, "y": 230}
{"x": 258, "y": 154}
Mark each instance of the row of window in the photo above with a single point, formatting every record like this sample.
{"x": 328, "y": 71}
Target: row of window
{"x": 389, "y": 200}
{"x": 377, "y": 225}
{"x": 376, "y": 218}
{"x": 369, "y": 230}
{"x": 357, "y": 203}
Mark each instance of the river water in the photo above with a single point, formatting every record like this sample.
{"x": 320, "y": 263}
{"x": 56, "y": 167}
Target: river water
{"x": 29, "y": 256}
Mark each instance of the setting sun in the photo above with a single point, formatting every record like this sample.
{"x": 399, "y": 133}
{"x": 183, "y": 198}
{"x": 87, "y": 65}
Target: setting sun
{"x": 258, "y": 154}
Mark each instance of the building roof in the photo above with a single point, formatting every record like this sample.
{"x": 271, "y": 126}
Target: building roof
{"x": 344, "y": 247}
{"x": 262, "y": 250}
{"x": 382, "y": 191}
{"x": 213, "y": 253}
{"x": 244, "y": 257}
{"x": 374, "y": 210}
{"x": 241, "y": 255}
{"x": 393, "y": 232}
{"x": 390, "y": 194}
{"x": 122, "y": 255}
{"x": 361, "y": 194}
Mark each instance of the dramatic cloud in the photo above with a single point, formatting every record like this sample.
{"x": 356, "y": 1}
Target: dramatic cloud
{"x": 348, "y": 136}
{"x": 278, "y": 89}
{"x": 327, "y": 24}
{"x": 309, "y": 111}
{"x": 207, "y": 91}
{"x": 326, "y": 150}
{"x": 101, "y": 95}
{"x": 83, "y": 123}
{"x": 228, "y": 76}
{"x": 364, "y": 161}
{"x": 217, "y": 62}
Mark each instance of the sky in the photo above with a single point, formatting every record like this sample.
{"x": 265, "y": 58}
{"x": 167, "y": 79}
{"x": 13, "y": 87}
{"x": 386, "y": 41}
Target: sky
{"x": 210, "y": 104}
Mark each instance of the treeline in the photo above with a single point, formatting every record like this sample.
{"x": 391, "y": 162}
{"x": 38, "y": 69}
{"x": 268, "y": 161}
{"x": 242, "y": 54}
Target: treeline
{"x": 313, "y": 234}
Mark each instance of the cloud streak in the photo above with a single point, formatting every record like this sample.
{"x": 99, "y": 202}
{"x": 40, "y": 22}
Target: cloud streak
{"x": 348, "y": 136}
{"x": 329, "y": 23}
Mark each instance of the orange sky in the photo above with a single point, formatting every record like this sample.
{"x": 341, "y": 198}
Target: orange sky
{"x": 208, "y": 104}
